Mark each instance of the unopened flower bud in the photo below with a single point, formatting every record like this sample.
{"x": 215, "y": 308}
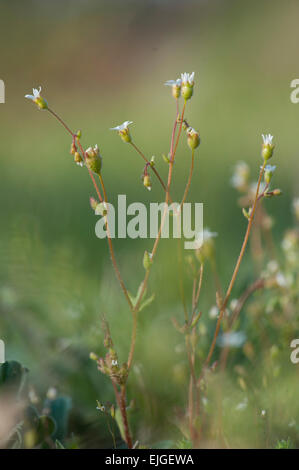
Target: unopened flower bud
{"x": 93, "y": 356}
{"x": 73, "y": 148}
{"x": 93, "y": 160}
{"x": 269, "y": 170}
{"x": 193, "y": 138}
{"x": 78, "y": 159}
{"x": 277, "y": 192}
{"x": 93, "y": 203}
{"x": 267, "y": 146}
{"x": 147, "y": 182}
{"x": 147, "y": 260}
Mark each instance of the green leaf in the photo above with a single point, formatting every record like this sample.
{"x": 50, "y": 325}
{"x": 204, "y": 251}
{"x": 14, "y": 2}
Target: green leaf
{"x": 147, "y": 302}
{"x": 143, "y": 304}
{"x": 58, "y": 445}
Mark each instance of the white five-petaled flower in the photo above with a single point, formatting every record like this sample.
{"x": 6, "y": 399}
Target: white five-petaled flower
{"x": 267, "y": 139}
{"x": 36, "y": 94}
{"x": 122, "y": 126}
{"x": 187, "y": 78}
{"x": 234, "y": 339}
{"x": 177, "y": 82}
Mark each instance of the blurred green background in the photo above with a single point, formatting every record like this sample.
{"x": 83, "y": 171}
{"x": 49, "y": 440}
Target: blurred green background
{"x": 100, "y": 63}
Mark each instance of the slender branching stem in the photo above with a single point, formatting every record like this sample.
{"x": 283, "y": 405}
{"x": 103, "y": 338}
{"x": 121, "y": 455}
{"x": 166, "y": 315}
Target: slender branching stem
{"x": 120, "y": 396}
{"x": 258, "y": 284}
{"x": 155, "y": 246}
{"x": 236, "y": 270}
{"x": 111, "y": 249}
{"x": 189, "y": 180}
{"x": 152, "y": 167}
{"x": 80, "y": 146}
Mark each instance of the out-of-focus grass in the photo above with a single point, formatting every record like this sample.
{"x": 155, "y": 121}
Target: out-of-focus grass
{"x": 100, "y": 65}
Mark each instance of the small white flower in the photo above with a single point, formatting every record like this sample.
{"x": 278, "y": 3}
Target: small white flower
{"x": 267, "y": 138}
{"x": 36, "y": 94}
{"x": 187, "y": 78}
{"x": 240, "y": 177}
{"x": 263, "y": 413}
{"x": 177, "y": 82}
{"x": 122, "y": 126}
{"x": 242, "y": 405}
{"x": 272, "y": 266}
{"x": 281, "y": 280}
{"x": 234, "y": 339}
{"x": 114, "y": 362}
{"x": 205, "y": 401}
{"x": 214, "y": 311}
{"x": 233, "y": 304}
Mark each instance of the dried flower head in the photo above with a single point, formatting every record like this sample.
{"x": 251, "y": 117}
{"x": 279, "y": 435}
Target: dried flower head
{"x": 93, "y": 159}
